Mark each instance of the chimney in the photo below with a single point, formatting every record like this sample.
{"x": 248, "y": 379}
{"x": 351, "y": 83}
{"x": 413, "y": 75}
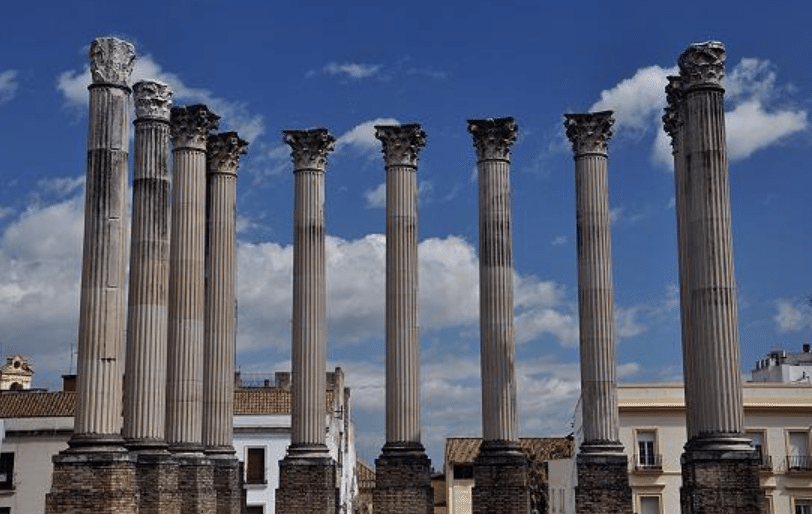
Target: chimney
{"x": 69, "y": 383}
{"x": 806, "y": 347}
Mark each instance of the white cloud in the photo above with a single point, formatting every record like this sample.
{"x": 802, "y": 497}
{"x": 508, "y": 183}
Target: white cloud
{"x": 559, "y": 240}
{"x": 752, "y": 120}
{"x": 234, "y": 115}
{"x": 8, "y": 85}
{"x": 352, "y": 70}
{"x": 62, "y": 186}
{"x": 376, "y": 198}
{"x": 627, "y": 321}
{"x": 362, "y": 138}
{"x": 792, "y": 316}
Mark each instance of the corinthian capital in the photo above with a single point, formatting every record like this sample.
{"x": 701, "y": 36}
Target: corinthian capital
{"x": 401, "y": 143}
{"x": 493, "y": 137}
{"x": 191, "y": 125}
{"x": 111, "y": 61}
{"x": 153, "y": 100}
{"x": 309, "y": 148}
{"x": 224, "y": 151}
{"x": 589, "y": 133}
{"x": 672, "y": 120}
{"x": 702, "y": 64}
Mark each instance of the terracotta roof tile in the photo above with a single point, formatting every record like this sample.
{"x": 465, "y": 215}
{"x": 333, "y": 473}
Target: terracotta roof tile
{"x": 460, "y": 450}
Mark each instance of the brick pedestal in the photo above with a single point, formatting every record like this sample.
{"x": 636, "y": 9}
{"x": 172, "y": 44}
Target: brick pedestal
{"x": 227, "y": 484}
{"x": 500, "y": 478}
{"x": 403, "y": 481}
{"x": 102, "y": 483}
{"x": 603, "y": 485}
{"x": 158, "y": 484}
{"x": 196, "y": 484}
{"x": 721, "y": 482}
{"x": 307, "y": 485}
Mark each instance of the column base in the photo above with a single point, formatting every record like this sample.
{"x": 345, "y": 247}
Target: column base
{"x": 307, "y": 482}
{"x": 196, "y": 484}
{"x": 158, "y": 483}
{"x": 403, "y": 480}
{"x": 228, "y": 484}
{"x": 500, "y": 478}
{"x": 718, "y": 477}
{"x": 98, "y": 482}
{"x": 603, "y": 481}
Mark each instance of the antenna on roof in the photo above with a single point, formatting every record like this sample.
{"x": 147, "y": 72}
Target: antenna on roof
{"x": 70, "y": 370}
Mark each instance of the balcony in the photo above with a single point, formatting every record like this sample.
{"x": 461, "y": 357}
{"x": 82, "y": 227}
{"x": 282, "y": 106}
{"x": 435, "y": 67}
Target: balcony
{"x": 799, "y": 463}
{"x": 648, "y": 462}
{"x": 766, "y": 463}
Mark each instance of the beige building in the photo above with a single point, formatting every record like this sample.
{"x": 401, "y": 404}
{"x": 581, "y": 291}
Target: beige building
{"x": 460, "y": 453}
{"x": 777, "y": 418}
{"x": 16, "y": 374}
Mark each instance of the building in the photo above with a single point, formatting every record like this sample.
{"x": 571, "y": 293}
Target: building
{"x": 780, "y": 366}
{"x": 16, "y": 374}
{"x": 38, "y": 425}
{"x": 460, "y": 453}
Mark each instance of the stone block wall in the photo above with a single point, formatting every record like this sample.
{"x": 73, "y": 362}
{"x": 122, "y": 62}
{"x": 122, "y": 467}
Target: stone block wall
{"x": 157, "y": 476}
{"x": 718, "y": 482}
{"x": 307, "y": 485}
{"x": 403, "y": 484}
{"x": 502, "y": 487}
{"x": 603, "y": 485}
{"x": 196, "y": 485}
{"x": 102, "y": 483}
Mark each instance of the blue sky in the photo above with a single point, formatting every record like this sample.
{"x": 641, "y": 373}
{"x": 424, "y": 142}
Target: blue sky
{"x": 267, "y": 66}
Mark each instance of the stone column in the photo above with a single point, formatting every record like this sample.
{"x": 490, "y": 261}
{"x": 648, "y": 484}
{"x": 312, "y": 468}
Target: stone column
{"x": 500, "y": 470}
{"x": 719, "y": 466}
{"x": 220, "y": 345}
{"x": 184, "y": 431}
{"x": 603, "y": 479}
{"x": 307, "y": 473}
{"x": 96, "y": 474}
{"x": 403, "y": 471}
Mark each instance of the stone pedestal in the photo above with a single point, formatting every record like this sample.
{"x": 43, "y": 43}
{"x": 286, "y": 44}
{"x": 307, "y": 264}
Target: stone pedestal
{"x": 196, "y": 484}
{"x": 307, "y": 484}
{"x": 228, "y": 484}
{"x": 158, "y": 483}
{"x": 603, "y": 484}
{"x": 500, "y": 480}
{"x": 403, "y": 480}
{"x": 101, "y": 483}
{"x": 721, "y": 482}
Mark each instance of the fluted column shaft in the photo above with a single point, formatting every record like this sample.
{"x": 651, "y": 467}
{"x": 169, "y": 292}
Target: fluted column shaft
{"x": 309, "y": 331}
{"x": 715, "y": 404}
{"x": 101, "y": 311}
{"x": 190, "y": 129}
{"x": 589, "y": 134}
{"x": 145, "y": 376}
{"x": 493, "y": 139}
{"x": 401, "y": 145}
{"x": 220, "y": 344}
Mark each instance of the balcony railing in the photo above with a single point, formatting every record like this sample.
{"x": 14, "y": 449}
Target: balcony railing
{"x": 799, "y": 463}
{"x": 766, "y": 463}
{"x": 648, "y": 462}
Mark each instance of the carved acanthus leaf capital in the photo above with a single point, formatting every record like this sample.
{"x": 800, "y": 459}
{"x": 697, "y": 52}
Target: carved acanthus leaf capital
{"x": 401, "y": 143}
{"x": 493, "y": 137}
{"x": 153, "y": 99}
{"x": 309, "y": 148}
{"x": 590, "y": 132}
{"x": 111, "y": 61}
{"x": 224, "y": 151}
{"x": 672, "y": 120}
{"x": 191, "y": 125}
{"x": 702, "y": 64}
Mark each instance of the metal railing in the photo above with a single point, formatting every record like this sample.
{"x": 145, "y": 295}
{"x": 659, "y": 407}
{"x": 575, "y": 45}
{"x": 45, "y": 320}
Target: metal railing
{"x": 799, "y": 463}
{"x": 648, "y": 462}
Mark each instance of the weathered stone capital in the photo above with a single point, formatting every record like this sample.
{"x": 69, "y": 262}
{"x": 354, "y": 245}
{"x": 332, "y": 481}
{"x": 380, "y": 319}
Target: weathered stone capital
{"x": 589, "y": 133}
{"x": 702, "y": 64}
{"x": 111, "y": 61}
{"x": 153, "y": 100}
{"x": 224, "y": 151}
{"x": 309, "y": 148}
{"x": 191, "y": 126}
{"x": 493, "y": 137}
{"x": 672, "y": 120}
{"x": 401, "y": 143}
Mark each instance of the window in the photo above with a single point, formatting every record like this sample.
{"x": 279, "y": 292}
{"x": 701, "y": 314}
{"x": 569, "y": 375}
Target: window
{"x": 7, "y": 470}
{"x": 798, "y": 450}
{"x": 803, "y": 506}
{"x": 649, "y": 505}
{"x": 646, "y": 449}
{"x": 255, "y": 509}
{"x": 463, "y": 471}
{"x": 5, "y": 510}
{"x": 255, "y": 466}
{"x": 757, "y": 436}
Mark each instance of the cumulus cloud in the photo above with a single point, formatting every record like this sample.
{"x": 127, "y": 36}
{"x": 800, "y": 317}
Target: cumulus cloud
{"x": 376, "y": 198}
{"x": 361, "y": 138}
{"x": 792, "y": 316}
{"x": 754, "y": 119}
{"x": 234, "y": 115}
{"x": 8, "y": 85}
